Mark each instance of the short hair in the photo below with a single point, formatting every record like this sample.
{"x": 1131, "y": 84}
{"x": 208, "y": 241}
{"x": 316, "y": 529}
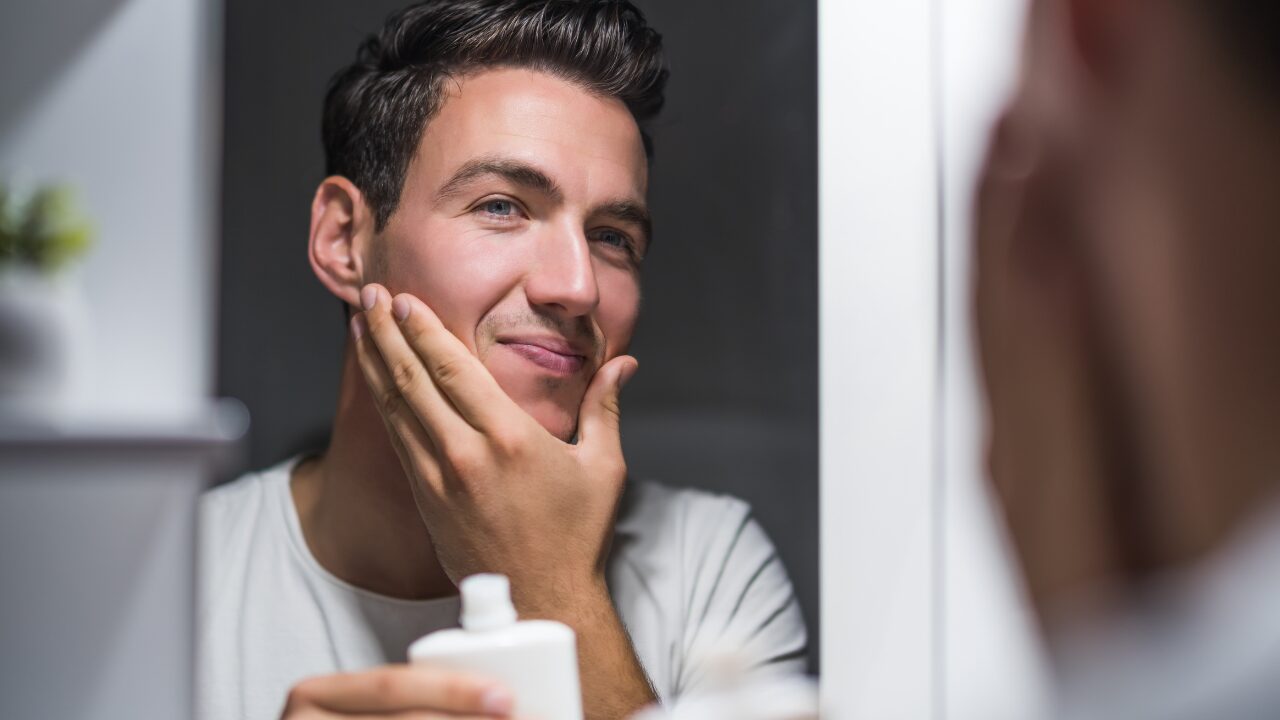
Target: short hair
{"x": 377, "y": 108}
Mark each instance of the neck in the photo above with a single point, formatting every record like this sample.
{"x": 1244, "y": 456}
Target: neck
{"x": 357, "y": 508}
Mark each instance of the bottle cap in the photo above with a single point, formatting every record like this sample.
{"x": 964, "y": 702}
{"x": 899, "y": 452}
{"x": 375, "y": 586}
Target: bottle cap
{"x": 486, "y": 602}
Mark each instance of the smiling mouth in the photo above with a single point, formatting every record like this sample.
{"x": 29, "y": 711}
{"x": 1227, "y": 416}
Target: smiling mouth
{"x": 557, "y": 358}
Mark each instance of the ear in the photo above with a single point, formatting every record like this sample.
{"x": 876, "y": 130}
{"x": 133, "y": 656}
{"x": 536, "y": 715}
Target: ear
{"x": 342, "y": 228}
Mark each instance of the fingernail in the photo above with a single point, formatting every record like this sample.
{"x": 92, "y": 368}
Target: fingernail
{"x": 497, "y": 701}
{"x": 369, "y": 297}
{"x": 625, "y": 376}
{"x": 400, "y": 308}
{"x": 357, "y": 326}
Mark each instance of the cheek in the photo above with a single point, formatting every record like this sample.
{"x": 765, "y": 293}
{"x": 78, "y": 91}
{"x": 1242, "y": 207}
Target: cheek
{"x": 619, "y": 308}
{"x": 460, "y": 281}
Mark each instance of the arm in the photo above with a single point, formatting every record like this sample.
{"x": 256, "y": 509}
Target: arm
{"x": 499, "y": 493}
{"x": 614, "y": 684}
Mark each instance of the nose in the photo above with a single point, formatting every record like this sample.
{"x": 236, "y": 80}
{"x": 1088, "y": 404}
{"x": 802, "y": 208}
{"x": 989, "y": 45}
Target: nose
{"x": 563, "y": 278}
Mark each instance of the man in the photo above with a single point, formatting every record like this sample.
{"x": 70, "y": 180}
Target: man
{"x": 484, "y": 219}
{"x": 1128, "y": 298}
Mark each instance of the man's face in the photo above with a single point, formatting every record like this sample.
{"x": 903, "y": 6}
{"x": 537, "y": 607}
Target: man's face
{"x": 521, "y": 223}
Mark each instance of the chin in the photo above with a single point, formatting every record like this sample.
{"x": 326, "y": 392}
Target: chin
{"x": 553, "y": 405}
{"x": 555, "y": 420}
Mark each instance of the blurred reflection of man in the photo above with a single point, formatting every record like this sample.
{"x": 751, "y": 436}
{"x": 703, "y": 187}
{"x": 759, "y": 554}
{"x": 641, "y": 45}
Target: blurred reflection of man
{"x": 485, "y": 222}
{"x": 1128, "y": 307}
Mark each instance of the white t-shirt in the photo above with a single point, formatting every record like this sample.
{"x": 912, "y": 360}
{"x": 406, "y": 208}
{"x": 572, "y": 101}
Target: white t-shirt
{"x": 1203, "y": 644}
{"x": 690, "y": 573}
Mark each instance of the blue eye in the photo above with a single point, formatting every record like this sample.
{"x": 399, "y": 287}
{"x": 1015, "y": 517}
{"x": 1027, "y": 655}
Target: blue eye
{"x": 613, "y": 238}
{"x": 501, "y": 208}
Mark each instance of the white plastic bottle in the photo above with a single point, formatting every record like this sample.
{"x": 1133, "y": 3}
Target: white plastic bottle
{"x": 536, "y": 659}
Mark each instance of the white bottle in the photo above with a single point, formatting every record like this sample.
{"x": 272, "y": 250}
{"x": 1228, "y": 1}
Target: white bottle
{"x": 536, "y": 659}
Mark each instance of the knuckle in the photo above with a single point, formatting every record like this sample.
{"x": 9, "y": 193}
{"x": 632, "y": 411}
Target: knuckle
{"x": 448, "y": 370}
{"x": 508, "y": 443}
{"x": 612, "y": 408}
{"x": 463, "y": 459}
{"x": 392, "y": 402}
{"x": 411, "y": 331}
{"x": 377, "y": 322}
{"x": 614, "y": 468}
{"x": 389, "y": 685}
{"x": 299, "y": 697}
{"x": 458, "y": 694}
{"x": 405, "y": 373}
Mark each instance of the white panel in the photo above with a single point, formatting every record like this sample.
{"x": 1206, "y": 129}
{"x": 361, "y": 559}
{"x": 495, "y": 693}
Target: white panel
{"x": 993, "y": 668}
{"x": 100, "y": 624}
{"x": 878, "y": 294}
{"x": 125, "y": 110}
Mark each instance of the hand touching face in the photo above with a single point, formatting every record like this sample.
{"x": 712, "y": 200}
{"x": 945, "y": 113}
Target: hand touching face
{"x": 522, "y": 224}
{"x": 495, "y": 490}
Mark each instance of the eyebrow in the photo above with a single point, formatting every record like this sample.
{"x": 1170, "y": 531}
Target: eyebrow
{"x": 629, "y": 211}
{"x": 513, "y": 171}
{"x": 526, "y": 175}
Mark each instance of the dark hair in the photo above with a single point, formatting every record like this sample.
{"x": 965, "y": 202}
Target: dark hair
{"x": 376, "y": 108}
{"x": 1250, "y": 30}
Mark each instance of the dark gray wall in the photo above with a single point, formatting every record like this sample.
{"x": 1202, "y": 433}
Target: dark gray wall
{"x": 726, "y": 398}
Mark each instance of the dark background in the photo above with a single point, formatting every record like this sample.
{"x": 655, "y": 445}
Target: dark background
{"x": 726, "y": 398}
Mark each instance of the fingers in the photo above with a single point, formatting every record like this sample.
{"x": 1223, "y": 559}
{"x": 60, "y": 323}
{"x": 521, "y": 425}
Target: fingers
{"x": 411, "y": 441}
{"x": 998, "y": 205}
{"x": 415, "y": 366}
{"x": 1002, "y": 184}
{"x": 471, "y": 390}
{"x": 314, "y": 713}
{"x": 599, "y": 419}
{"x": 406, "y": 379}
{"x": 405, "y": 690}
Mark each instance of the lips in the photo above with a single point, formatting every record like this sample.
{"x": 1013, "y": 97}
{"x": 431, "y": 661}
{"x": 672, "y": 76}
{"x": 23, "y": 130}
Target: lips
{"x": 551, "y": 354}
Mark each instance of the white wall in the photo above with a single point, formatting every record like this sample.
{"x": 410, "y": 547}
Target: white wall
{"x": 922, "y": 616}
{"x": 993, "y": 667}
{"x": 878, "y": 358}
{"x": 119, "y": 98}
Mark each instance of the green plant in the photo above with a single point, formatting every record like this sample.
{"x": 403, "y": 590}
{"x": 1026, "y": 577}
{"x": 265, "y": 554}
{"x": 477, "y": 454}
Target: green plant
{"x": 45, "y": 230}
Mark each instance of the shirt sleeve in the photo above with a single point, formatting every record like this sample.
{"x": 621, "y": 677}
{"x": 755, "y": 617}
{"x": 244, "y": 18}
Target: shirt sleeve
{"x": 741, "y": 606}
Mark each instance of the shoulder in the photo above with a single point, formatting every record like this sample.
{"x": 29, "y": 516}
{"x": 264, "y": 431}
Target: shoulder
{"x": 663, "y": 530}
{"x": 232, "y": 518}
{"x": 712, "y": 568}
{"x": 652, "y": 509}
{"x": 230, "y": 500}
{"x": 229, "y": 509}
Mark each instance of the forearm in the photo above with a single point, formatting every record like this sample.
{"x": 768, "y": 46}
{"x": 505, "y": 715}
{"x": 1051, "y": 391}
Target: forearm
{"x": 614, "y": 684}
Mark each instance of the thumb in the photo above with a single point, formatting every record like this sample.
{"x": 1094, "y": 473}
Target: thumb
{"x": 599, "y": 419}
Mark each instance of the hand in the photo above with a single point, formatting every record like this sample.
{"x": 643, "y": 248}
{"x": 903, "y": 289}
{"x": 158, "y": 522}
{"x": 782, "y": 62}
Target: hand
{"x": 497, "y": 492}
{"x": 398, "y": 691}
{"x": 1038, "y": 337}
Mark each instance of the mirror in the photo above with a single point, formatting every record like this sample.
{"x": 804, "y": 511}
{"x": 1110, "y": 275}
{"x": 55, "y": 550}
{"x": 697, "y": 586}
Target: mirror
{"x": 913, "y": 563}
{"x": 726, "y": 398}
